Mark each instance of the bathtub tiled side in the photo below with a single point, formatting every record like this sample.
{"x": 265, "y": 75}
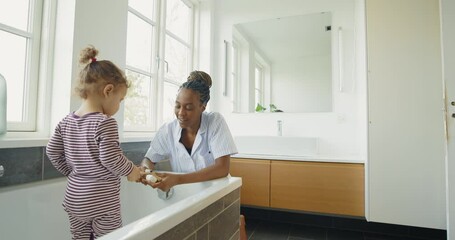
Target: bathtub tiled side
{"x": 27, "y": 165}
{"x": 220, "y": 221}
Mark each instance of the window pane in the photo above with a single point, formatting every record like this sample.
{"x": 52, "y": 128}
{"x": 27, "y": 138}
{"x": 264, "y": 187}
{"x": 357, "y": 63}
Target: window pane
{"x": 178, "y": 18}
{"x": 138, "y": 100}
{"x": 145, "y": 7}
{"x": 13, "y": 67}
{"x": 170, "y": 93}
{"x": 176, "y": 56}
{"x": 14, "y": 13}
{"x": 139, "y": 43}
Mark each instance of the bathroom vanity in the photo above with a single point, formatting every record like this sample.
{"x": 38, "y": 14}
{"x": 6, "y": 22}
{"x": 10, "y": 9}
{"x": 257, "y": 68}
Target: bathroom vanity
{"x": 310, "y": 185}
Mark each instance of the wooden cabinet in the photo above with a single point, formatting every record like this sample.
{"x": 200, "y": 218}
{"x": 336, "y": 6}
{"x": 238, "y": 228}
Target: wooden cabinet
{"x": 321, "y": 187}
{"x": 334, "y": 188}
{"x": 255, "y": 176}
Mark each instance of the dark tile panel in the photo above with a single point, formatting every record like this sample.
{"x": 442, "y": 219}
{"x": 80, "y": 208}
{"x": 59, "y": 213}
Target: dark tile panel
{"x": 26, "y": 165}
{"x": 22, "y": 165}
{"x": 136, "y": 146}
{"x": 135, "y": 151}
{"x": 203, "y": 233}
{"x": 224, "y": 225}
{"x": 192, "y": 237}
{"x": 190, "y": 225}
{"x": 236, "y": 236}
{"x": 231, "y": 197}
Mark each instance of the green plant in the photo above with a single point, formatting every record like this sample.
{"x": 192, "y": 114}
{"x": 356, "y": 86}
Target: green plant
{"x": 260, "y": 108}
{"x": 273, "y": 108}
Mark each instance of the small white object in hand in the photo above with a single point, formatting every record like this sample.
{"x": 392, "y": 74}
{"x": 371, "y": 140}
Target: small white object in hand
{"x": 148, "y": 170}
{"x": 151, "y": 178}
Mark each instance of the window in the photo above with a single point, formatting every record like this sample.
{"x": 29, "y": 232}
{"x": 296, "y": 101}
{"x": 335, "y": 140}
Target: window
{"x": 20, "y": 34}
{"x": 259, "y": 85}
{"x": 159, "y": 54}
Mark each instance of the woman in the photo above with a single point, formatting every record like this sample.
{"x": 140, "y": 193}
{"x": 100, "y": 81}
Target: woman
{"x": 198, "y": 144}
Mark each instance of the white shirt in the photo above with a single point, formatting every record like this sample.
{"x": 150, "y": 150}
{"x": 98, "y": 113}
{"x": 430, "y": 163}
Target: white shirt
{"x": 213, "y": 140}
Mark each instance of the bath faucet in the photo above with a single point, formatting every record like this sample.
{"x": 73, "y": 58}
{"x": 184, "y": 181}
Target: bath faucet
{"x": 280, "y": 127}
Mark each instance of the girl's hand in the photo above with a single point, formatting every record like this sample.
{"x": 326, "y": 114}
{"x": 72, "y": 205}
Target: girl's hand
{"x": 135, "y": 175}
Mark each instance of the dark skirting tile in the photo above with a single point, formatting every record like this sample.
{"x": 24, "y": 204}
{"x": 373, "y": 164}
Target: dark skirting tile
{"x": 335, "y": 234}
{"x": 364, "y": 226}
{"x": 301, "y": 218}
{"x": 255, "y": 213}
{"x": 379, "y": 236}
{"x": 428, "y": 233}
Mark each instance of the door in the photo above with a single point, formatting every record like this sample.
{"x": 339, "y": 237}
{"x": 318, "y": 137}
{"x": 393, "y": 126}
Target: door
{"x": 406, "y": 162}
{"x": 448, "y": 41}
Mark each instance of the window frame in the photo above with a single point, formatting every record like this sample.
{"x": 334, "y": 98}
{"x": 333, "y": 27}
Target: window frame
{"x": 37, "y": 12}
{"x": 157, "y": 75}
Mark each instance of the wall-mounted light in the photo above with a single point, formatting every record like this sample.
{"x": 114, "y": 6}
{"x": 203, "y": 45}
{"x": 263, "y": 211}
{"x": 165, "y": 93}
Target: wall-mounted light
{"x": 225, "y": 76}
{"x": 340, "y": 58}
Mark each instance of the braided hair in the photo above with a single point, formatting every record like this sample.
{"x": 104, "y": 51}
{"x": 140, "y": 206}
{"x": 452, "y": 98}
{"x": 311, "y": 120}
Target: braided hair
{"x": 199, "y": 82}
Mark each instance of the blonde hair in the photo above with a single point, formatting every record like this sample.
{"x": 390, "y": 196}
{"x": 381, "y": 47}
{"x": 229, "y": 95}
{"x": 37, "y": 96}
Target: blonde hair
{"x": 96, "y": 74}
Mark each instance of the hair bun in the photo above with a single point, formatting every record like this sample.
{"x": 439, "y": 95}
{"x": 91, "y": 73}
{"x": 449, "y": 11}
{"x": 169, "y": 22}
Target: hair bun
{"x": 200, "y": 76}
{"x": 88, "y": 55}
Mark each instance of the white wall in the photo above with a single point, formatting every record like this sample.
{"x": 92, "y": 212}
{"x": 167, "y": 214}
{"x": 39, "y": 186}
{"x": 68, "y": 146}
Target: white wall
{"x": 341, "y": 132}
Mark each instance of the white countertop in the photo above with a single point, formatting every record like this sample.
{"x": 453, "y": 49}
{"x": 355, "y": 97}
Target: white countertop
{"x": 314, "y": 158}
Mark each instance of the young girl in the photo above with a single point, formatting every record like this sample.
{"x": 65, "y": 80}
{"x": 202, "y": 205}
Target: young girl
{"x": 85, "y": 148}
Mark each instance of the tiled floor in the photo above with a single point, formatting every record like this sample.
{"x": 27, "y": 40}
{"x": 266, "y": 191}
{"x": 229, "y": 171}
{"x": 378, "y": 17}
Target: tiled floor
{"x": 265, "y": 230}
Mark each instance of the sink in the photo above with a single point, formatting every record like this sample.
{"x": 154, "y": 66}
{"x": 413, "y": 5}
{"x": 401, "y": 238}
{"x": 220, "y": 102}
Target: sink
{"x": 277, "y": 145}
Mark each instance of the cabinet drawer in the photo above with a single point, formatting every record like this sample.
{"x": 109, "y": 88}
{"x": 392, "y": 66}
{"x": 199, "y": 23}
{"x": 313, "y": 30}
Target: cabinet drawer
{"x": 335, "y": 188}
{"x": 255, "y": 176}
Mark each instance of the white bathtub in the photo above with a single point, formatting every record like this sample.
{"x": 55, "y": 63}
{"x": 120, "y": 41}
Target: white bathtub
{"x": 34, "y": 211}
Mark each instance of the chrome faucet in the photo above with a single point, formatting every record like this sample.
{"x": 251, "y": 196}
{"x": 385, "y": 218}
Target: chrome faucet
{"x": 280, "y": 127}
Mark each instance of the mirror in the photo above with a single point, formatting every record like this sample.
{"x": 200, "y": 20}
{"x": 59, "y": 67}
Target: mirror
{"x": 287, "y": 61}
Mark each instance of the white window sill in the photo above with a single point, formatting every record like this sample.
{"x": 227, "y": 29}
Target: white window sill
{"x": 21, "y": 139}
{"x": 137, "y": 137}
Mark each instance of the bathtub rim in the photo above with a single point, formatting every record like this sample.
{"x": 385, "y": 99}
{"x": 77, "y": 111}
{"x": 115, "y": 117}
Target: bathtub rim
{"x": 179, "y": 212}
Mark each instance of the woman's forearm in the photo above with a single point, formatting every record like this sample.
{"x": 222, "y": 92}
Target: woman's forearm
{"x": 217, "y": 170}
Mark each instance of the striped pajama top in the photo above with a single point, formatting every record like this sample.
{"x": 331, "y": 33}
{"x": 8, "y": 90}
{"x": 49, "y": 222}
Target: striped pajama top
{"x": 213, "y": 140}
{"x": 86, "y": 149}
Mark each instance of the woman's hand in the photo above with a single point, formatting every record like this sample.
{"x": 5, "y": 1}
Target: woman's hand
{"x": 168, "y": 180}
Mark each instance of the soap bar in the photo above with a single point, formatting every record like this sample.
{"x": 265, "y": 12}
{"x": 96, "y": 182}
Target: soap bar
{"x": 152, "y": 177}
